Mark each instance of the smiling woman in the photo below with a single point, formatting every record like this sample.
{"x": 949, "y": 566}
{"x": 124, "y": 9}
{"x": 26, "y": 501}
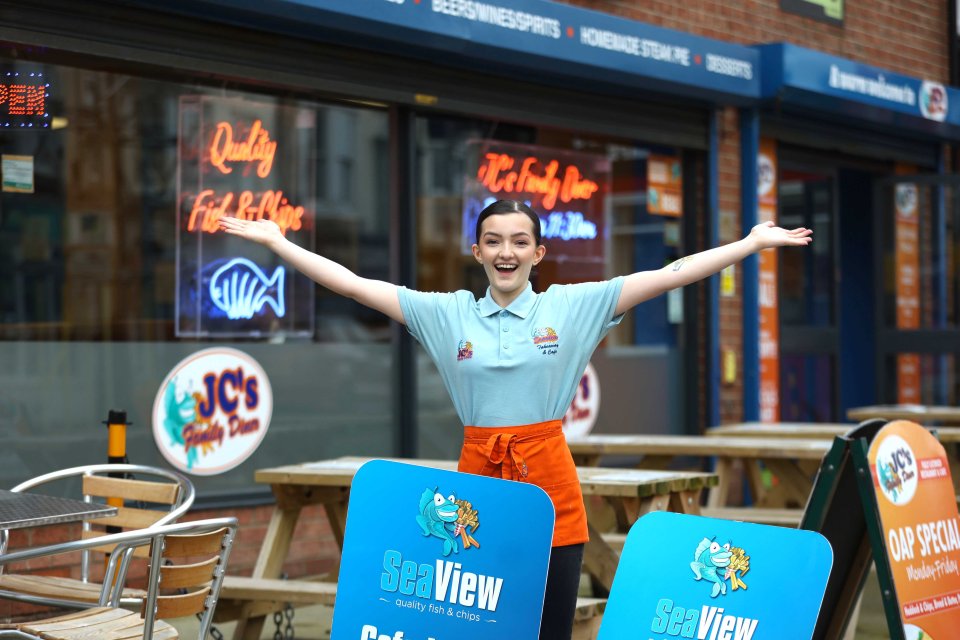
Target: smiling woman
{"x": 512, "y": 360}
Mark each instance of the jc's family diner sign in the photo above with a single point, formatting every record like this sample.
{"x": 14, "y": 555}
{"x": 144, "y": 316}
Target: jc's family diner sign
{"x": 212, "y": 411}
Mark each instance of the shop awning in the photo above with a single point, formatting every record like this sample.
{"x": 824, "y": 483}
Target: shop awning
{"x": 796, "y": 77}
{"x": 533, "y": 39}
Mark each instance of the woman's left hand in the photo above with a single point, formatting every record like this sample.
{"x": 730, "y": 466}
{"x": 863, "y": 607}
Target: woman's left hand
{"x": 766, "y": 235}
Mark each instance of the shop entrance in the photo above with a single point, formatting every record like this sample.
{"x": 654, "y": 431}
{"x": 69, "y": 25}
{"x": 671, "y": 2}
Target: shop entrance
{"x": 916, "y": 279}
{"x": 809, "y": 334}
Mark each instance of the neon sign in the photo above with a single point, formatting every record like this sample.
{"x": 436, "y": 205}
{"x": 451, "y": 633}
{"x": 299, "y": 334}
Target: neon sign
{"x": 565, "y": 188}
{"x": 208, "y": 208}
{"x": 23, "y": 100}
{"x": 258, "y": 148}
{"x": 535, "y": 178}
{"x": 241, "y": 289}
{"x": 240, "y": 159}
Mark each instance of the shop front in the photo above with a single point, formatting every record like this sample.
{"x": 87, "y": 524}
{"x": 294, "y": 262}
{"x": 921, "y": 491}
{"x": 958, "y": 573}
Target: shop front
{"x": 373, "y": 135}
{"x": 858, "y": 154}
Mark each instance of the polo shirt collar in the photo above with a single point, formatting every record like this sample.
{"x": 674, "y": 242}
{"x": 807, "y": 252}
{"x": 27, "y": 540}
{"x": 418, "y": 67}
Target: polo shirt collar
{"x": 519, "y": 307}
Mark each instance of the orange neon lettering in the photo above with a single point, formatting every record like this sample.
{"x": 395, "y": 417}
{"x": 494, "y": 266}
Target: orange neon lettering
{"x": 258, "y": 147}
{"x": 496, "y": 174}
{"x": 208, "y": 208}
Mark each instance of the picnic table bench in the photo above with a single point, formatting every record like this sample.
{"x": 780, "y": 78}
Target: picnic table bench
{"x": 792, "y": 461}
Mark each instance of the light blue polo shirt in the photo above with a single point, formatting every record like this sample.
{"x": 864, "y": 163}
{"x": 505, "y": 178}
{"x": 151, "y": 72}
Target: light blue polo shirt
{"x": 513, "y": 366}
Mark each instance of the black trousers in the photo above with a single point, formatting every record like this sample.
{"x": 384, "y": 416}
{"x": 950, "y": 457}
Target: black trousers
{"x": 560, "y": 599}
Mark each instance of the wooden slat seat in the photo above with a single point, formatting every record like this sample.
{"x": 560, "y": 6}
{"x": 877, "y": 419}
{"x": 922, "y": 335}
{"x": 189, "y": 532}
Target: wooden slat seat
{"x": 181, "y": 584}
{"x": 294, "y": 591}
{"x": 587, "y": 617}
{"x": 99, "y": 623}
{"x": 780, "y": 517}
{"x": 57, "y": 587}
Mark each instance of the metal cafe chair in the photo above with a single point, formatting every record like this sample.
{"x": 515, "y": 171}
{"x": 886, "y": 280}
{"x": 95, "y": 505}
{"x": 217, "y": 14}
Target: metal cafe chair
{"x": 187, "y": 565}
{"x": 168, "y": 494}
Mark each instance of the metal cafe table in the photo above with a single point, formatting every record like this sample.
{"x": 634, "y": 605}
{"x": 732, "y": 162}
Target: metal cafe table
{"x": 630, "y": 492}
{"x": 24, "y": 510}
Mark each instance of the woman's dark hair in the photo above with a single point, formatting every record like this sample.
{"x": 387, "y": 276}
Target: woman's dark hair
{"x": 510, "y": 206}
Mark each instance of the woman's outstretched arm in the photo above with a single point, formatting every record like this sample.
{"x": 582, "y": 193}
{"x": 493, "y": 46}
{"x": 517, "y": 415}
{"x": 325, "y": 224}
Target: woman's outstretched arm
{"x": 643, "y": 285}
{"x": 375, "y": 294}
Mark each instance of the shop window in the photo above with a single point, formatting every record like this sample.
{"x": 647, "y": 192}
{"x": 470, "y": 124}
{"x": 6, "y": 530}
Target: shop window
{"x": 89, "y": 234}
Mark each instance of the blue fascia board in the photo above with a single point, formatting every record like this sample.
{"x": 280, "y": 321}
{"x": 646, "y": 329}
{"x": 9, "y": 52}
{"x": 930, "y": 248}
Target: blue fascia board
{"x": 535, "y": 38}
{"x": 822, "y": 82}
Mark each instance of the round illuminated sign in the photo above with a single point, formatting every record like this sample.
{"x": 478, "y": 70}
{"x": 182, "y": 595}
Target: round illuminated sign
{"x": 896, "y": 470}
{"x": 212, "y": 411}
{"x": 582, "y": 414}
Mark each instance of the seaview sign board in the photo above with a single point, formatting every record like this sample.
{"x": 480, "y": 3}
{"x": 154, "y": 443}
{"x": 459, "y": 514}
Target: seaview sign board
{"x": 212, "y": 411}
{"x": 918, "y": 516}
{"x": 685, "y": 576}
{"x": 434, "y": 554}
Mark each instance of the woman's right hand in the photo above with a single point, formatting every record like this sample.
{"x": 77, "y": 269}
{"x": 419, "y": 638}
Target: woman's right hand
{"x": 265, "y": 232}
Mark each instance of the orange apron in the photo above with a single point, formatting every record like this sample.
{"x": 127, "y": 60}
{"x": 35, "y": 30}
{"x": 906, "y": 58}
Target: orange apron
{"x": 535, "y": 453}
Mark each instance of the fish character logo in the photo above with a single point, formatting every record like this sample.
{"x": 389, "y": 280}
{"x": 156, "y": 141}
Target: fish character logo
{"x": 464, "y": 350}
{"x": 709, "y": 560}
{"x": 447, "y": 518}
{"x": 241, "y": 289}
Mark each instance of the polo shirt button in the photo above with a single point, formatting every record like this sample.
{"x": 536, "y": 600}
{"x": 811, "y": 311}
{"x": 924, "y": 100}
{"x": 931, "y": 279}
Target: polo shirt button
{"x": 503, "y": 314}
{"x": 506, "y": 329}
{"x": 506, "y": 346}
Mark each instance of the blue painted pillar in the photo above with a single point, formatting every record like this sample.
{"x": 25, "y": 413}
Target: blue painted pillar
{"x": 749, "y": 205}
{"x": 713, "y": 240}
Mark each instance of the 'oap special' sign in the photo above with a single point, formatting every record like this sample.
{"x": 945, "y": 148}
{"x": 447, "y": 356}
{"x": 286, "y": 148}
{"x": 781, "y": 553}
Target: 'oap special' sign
{"x": 433, "y": 554}
{"x": 690, "y": 577}
{"x": 918, "y": 516}
{"x": 212, "y": 411}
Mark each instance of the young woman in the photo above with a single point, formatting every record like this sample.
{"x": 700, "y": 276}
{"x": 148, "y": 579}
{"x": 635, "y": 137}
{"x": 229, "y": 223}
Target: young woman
{"x": 512, "y": 360}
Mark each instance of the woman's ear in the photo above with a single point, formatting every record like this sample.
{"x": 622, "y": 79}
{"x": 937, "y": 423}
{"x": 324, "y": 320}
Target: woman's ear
{"x": 476, "y": 253}
{"x": 538, "y": 254}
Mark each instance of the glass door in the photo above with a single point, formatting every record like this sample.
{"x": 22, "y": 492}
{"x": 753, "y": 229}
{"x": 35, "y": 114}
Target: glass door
{"x": 808, "y": 317}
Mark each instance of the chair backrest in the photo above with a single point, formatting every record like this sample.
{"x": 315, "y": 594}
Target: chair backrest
{"x": 186, "y": 571}
{"x": 149, "y": 496}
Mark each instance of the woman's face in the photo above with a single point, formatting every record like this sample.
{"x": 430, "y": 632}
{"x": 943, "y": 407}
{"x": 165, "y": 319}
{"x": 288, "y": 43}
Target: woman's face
{"x": 507, "y": 251}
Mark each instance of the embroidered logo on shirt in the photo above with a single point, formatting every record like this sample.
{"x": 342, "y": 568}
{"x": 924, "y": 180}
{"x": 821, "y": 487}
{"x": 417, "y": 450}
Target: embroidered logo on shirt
{"x": 546, "y": 340}
{"x": 464, "y": 350}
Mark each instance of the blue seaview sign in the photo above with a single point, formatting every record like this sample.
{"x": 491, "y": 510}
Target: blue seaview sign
{"x": 433, "y": 554}
{"x": 685, "y": 576}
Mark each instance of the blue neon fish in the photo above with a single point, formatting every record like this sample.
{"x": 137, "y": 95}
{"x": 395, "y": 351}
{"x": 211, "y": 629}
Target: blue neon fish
{"x": 241, "y": 289}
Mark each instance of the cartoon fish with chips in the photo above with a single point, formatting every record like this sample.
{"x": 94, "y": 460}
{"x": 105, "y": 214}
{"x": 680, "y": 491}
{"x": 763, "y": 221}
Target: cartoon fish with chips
{"x": 437, "y": 517}
{"x": 709, "y": 558}
{"x": 241, "y": 289}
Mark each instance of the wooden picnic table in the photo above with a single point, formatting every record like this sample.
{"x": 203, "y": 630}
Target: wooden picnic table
{"x": 630, "y": 492}
{"x": 817, "y": 430}
{"x": 914, "y": 412}
{"x": 793, "y": 461}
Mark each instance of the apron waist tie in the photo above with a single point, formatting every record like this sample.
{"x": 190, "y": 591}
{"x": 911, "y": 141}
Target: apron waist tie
{"x": 497, "y": 449}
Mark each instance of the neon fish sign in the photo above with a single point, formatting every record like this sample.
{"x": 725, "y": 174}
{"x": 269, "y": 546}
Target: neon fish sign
{"x": 241, "y": 289}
